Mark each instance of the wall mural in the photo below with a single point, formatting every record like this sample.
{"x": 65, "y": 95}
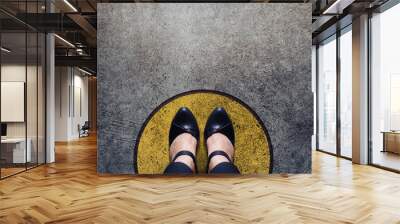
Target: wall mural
{"x": 252, "y": 59}
{"x": 252, "y": 148}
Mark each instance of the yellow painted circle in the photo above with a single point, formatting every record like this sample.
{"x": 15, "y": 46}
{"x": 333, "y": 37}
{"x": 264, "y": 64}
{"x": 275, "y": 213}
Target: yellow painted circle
{"x": 251, "y": 147}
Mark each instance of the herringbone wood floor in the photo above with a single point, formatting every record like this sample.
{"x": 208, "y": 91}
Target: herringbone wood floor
{"x": 70, "y": 191}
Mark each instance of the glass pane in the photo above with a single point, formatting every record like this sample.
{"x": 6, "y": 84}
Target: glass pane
{"x": 31, "y": 98}
{"x": 22, "y": 89}
{"x": 327, "y": 96}
{"x": 13, "y": 88}
{"x": 314, "y": 90}
{"x": 31, "y": 86}
{"x": 346, "y": 94}
{"x": 385, "y": 93}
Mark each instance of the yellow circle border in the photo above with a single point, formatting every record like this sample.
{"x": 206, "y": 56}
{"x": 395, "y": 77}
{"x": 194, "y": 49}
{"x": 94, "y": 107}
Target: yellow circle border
{"x": 149, "y": 118}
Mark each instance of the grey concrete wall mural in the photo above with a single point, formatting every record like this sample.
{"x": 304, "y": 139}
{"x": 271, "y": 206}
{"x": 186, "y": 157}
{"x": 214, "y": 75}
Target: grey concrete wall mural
{"x": 254, "y": 59}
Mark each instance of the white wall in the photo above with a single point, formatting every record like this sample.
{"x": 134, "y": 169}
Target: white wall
{"x": 33, "y": 127}
{"x": 80, "y": 111}
{"x": 10, "y": 73}
{"x": 62, "y": 81}
{"x": 70, "y": 83}
{"x": 17, "y": 73}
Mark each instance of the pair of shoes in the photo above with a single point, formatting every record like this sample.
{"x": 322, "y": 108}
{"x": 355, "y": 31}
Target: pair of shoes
{"x": 185, "y": 122}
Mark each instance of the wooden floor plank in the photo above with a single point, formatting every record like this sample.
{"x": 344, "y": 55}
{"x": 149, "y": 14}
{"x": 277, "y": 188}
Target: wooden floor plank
{"x": 71, "y": 191}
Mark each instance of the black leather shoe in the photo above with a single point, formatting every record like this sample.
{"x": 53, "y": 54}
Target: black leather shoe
{"x": 219, "y": 122}
{"x": 183, "y": 122}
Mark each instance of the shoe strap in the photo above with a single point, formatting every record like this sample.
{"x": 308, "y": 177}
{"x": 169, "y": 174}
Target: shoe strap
{"x": 184, "y": 153}
{"x": 218, "y": 153}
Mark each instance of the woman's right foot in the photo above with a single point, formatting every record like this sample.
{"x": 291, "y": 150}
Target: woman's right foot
{"x": 183, "y": 138}
{"x": 220, "y": 138}
{"x": 183, "y": 122}
{"x": 184, "y": 142}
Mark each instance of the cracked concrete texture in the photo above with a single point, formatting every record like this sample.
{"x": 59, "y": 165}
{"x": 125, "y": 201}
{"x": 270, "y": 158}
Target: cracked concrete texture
{"x": 257, "y": 52}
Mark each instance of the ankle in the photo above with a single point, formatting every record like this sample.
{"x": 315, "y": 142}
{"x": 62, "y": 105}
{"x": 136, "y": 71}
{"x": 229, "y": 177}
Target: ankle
{"x": 187, "y": 160}
{"x": 216, "y": 160}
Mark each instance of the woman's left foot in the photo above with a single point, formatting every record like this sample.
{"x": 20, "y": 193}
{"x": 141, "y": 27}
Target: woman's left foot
{"x": 220, "y": 150}
{"x": 219, "y": 122}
